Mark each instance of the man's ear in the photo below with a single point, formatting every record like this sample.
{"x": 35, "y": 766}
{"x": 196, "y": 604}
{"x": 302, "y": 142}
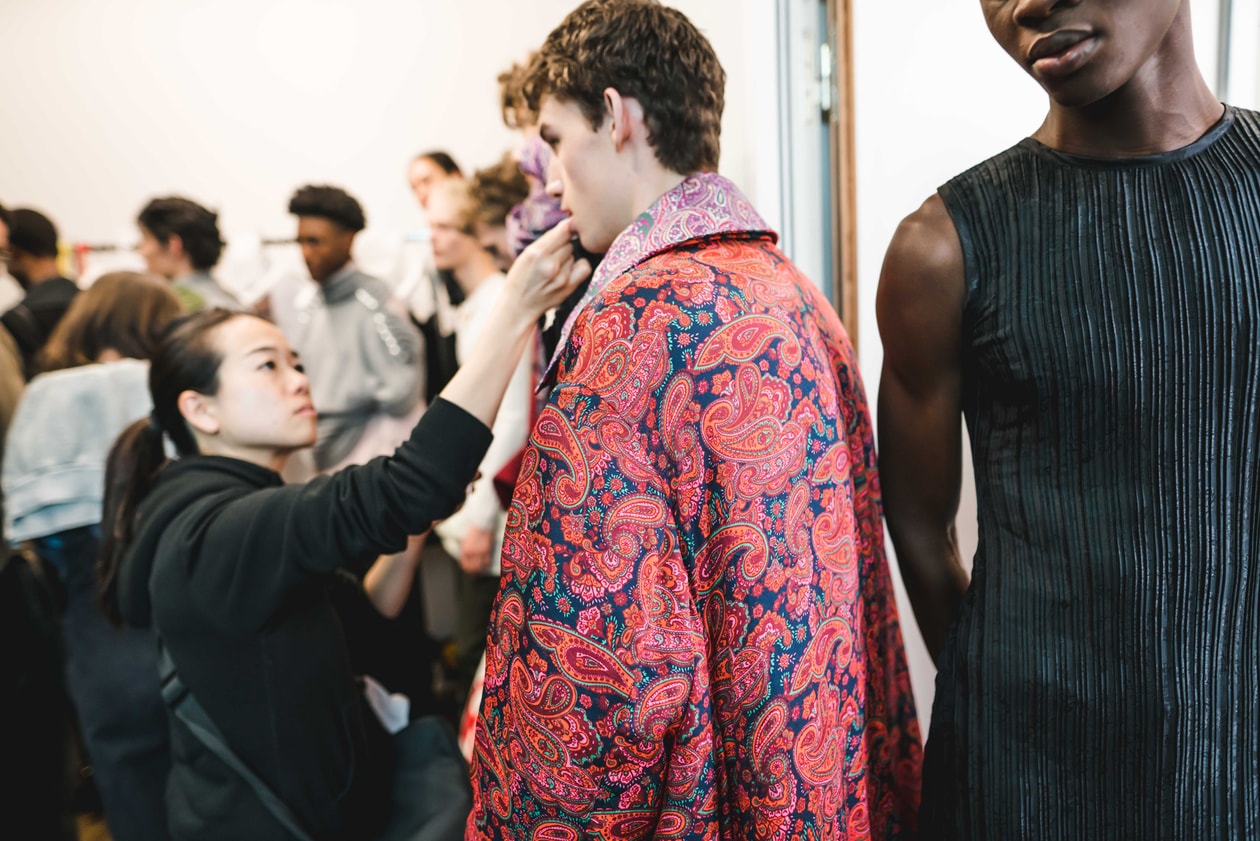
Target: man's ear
{"x": 199, "y": 411}
{"x": 623, "y": 114}
{"x": 175, "y": 246}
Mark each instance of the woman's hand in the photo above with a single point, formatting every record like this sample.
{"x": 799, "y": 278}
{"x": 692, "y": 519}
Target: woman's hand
{"x": 541, "y": 278}
{"x": 544, "y": 275}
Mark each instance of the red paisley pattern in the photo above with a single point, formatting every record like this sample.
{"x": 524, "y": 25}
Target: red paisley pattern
{"x": 696, "y": 636}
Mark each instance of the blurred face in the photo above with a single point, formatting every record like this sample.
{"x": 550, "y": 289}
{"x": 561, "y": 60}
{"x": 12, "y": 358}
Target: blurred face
{"x": 263, "y": 408}
{"x": 160, "y": 259}
{"x": 19, "y": 264}
{"x": 452, "y": 247}
{"x": 494, "y": 239}
{"x": 423, "y": 174}
{"x": 1081, "y": 51}
{"x": 591, "y": 180}
{"x": 325, "y": 246}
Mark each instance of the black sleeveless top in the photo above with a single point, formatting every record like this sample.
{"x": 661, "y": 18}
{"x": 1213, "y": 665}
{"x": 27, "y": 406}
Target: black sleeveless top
{"x": 1103, "y": 678}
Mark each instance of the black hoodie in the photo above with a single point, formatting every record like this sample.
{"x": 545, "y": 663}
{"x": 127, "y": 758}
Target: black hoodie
{"x": 230, "y": 567}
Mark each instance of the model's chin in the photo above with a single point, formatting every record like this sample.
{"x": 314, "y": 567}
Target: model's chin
{"x": 595, "y": 244}
{"x": 1078, "y": 90}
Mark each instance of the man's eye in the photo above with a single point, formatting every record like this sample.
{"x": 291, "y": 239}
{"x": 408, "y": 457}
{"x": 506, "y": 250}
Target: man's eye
{"x": 268, "y": 366}
{"x": 300, "y": 368}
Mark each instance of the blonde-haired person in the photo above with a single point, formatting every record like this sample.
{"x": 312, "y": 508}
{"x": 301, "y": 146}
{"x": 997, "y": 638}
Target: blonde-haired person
{"x": 474, "y": 534}
{"x": 495, "y": 191}
{"x": 94, "y": 383}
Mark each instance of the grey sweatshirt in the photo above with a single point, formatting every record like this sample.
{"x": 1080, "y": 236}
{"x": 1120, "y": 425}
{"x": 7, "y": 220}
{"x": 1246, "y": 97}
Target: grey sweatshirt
{"x": 362, "y": 354}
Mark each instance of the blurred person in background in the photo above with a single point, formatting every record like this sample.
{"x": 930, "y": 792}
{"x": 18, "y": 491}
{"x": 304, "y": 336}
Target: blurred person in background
{"x": 474, "y": 534}
{"x": 495, "y": 191}
{"x": 180, "y": 241}
{"x": 360, "y": 349}
{"x": 432, "y": 294}
{"x": 95, "y": 383}
{"x": 10, "y": 289}
{"x": 428, "y": 169}
{"x": 33, "y": 263}
{"x": 361, "y": 352}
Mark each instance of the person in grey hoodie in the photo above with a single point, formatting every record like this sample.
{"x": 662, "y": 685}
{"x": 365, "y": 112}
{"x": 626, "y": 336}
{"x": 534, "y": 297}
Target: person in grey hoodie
{"x": 360, "y": 347}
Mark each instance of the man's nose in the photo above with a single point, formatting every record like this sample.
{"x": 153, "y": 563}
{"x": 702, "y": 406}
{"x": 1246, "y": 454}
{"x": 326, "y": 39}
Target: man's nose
{"x": 1034, "y": 11}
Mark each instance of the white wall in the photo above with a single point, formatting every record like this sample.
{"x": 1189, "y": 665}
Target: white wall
{"x": 237, "y": 102}
{"x": 935, "y": 95}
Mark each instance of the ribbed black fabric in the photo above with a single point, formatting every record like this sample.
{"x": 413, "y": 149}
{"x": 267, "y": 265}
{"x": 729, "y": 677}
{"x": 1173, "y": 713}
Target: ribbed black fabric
{"x": 1102, "y": 679}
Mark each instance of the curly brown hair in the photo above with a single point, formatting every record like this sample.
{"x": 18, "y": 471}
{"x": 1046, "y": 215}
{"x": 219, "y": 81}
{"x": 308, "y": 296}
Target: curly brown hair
{"x": 512, "y": 103}
{"x": 645, "y": 51}
{"x": 495, "y": 190}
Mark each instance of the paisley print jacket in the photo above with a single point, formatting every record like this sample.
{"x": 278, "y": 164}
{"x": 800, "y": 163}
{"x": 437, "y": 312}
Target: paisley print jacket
{"x": 696, "y": 636}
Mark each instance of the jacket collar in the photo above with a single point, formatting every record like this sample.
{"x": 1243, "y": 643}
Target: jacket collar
{"x": 703, "y": 205}
{"x": 342, "y": 285}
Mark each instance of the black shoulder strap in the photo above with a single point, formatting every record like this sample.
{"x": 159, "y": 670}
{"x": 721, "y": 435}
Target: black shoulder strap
{"x": 181, "y": 702}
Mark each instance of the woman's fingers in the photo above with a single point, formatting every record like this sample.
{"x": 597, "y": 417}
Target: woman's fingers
{"x": 547, "y": 271}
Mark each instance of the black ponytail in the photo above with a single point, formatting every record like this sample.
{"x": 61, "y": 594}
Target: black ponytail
{"x": 184, "y": 360}
{"x": 135, "y": 460}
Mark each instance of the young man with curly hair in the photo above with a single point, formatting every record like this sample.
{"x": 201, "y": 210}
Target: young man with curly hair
{"x": 695, "y": 636}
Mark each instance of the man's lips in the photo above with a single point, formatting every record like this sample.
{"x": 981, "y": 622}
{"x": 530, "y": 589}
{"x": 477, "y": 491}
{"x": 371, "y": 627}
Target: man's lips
{"x": 1057, "y": 43}
{"x": 1058, "y": 55}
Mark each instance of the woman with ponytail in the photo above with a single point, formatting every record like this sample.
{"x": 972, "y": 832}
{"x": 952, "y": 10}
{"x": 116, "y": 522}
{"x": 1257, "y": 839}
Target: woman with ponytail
{"x": 93, "y": 384}
{"x": 230, "y": 566}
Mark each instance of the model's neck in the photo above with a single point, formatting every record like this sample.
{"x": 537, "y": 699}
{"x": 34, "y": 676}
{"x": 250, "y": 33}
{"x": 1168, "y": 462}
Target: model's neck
{"x": 1165, "y": 106}
{"x": 474, "y": 272}
{"x": 647, "y": 190}
{"x": 1127, "y": 127}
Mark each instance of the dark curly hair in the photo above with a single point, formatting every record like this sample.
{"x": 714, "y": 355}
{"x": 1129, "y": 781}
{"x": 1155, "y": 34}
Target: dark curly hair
{"x": 646, "y": 51}
{"x": 495, "y": 190}
{"x": 196, "y": 227}
{"x": 331, "y": 203}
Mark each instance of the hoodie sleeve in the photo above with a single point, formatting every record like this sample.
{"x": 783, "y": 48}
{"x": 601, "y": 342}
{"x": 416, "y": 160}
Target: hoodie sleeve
{"x": 246, "y": 555}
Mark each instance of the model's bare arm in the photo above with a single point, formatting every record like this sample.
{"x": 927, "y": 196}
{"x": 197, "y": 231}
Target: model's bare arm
{"x": 922, "y": 290}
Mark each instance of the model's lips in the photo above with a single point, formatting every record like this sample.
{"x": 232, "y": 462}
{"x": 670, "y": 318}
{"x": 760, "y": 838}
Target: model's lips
{"x": 1056, "y": 43}
{"x": 306, "y": 411}
{"x": 1062, "y": 52}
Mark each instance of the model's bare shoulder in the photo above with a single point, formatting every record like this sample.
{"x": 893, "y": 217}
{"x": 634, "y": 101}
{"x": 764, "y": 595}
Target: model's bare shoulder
{"x": 922, "y": 289}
